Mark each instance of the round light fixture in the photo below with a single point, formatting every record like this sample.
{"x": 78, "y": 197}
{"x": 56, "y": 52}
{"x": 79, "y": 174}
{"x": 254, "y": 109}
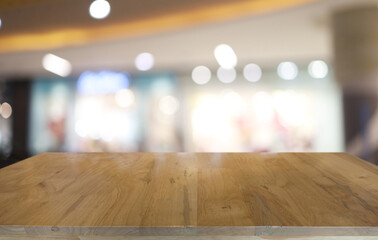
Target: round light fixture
{"x": 99, "y": 9}
{"x": 226, "y": 75}
{"x": 252, "y": 72}
{"x": 287, "y": 70}
{"x": 144, "y": 61}
{"x": 201, "y": 75}
{"x": 318, "y": 69}
{"x": 225, "y": 56}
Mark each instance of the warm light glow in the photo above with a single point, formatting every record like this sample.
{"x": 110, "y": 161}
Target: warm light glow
{"x": 287, "y": 70}
{"x": 57, "y": 65}
{"x": 6, "y": 110}
{"x": 263, "y": 107}
{"x": 225, "y": 56}
{"x": 226, "y": 75}
{"x": 99, "y": 9}
{"x": 110, "y": 126}
{"x": 252, "y": 72}
{"x": 98, "y": 118}
{"x": 201, "y": 75}
{"x": 291, "y": 108}
{"x": 213, "y": 118}
{"x": 144, "y": 61}
{"x": 232, "y": 103}
{"x": 168, "y": 105}
{"x": 318, "y": 69}
{"x": 206, "y": 116}
{"x": 80, "y": 128}
{"x": 90, "y": 123}
{"x": 124, "y": 98}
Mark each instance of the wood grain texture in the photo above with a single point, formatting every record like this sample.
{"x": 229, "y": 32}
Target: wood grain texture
{"x": 192, "y": 238}
{"x": 189, "y": 194}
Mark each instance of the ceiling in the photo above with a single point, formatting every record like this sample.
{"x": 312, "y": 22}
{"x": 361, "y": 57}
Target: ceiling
{"x": 57, "y": 24}
{"x": 263, "y": 33}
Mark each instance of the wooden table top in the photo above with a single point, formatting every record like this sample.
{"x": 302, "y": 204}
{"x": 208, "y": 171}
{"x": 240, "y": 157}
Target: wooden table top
{"x": 190, "y": 190}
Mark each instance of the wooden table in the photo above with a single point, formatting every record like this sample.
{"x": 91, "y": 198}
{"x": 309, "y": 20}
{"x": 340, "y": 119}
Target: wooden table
{"x": 189, "y": 196}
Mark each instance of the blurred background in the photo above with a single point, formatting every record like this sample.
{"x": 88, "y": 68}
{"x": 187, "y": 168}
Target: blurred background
{"x": 184, "y": 76}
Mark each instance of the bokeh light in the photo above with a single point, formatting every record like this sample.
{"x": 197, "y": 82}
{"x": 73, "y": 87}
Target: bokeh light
{"x": 201, "y": 75}
{"x": 225, "y": 56}
{"x": 169, "y": 105}
{"x": 99, "y": 9}
{"x": 80, "y": 128}
{"x": 6, "y": 110}
{"x": 252, "y": 72}
{"x": 318, "y": 69}
{"x": 56, "y": 65}
{"x": 206, "y": 118}
{"x": 287, "y": 70}
{"x": 291, "y": 108}
{"x": 263, "y": 107}
{"x": 232, "y": 102}
{"x": 226, "y": 75}
{"x": 125, "y": 98}
{"x": 144, "y": 61}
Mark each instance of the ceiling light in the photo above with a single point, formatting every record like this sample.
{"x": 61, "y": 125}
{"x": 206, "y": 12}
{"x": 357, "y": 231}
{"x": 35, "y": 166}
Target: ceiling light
{"x": 99, "y": 9}
{"x": 287, "y": 70}
{"x": 57, "y": 65}
{"x": 225, "y": 56}
{"x": 252, "y": 72}
{"x": 318, "y": 69}
{"x": 201, "y": 75}
{"x": 144, "y": 61}
{"x": 226, "y": 75}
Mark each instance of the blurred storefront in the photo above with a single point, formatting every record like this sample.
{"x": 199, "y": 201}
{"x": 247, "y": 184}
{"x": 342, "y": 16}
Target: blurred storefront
{"x": 114, "y": 111}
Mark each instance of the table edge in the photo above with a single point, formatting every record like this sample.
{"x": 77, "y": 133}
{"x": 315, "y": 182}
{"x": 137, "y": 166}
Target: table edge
{"x": 186, "y": 231}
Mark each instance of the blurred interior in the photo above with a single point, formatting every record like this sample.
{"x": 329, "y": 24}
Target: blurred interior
{"x": 189, "y": 76}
